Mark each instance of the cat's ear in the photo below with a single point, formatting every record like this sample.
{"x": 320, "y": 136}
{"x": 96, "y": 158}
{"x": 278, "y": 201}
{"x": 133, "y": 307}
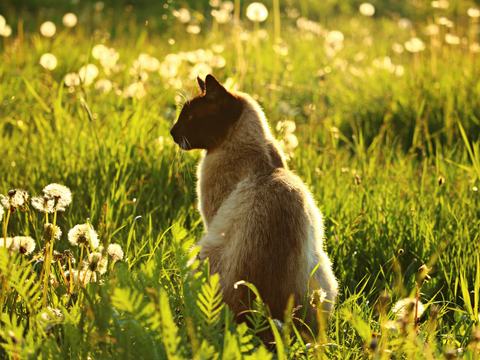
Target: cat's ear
{"x": 201, "y": 83}
{"x": 214, "y": 90}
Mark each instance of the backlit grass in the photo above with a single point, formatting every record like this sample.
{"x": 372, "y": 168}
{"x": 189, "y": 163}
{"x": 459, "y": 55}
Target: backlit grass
{"x": 387, "y": 139}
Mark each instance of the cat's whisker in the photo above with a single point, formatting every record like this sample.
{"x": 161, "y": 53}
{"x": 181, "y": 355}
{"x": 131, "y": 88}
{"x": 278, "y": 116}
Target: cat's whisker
{"x": 188, "y": 142}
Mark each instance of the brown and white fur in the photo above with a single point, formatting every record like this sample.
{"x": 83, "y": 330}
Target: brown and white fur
{"x": 261, "y": 222}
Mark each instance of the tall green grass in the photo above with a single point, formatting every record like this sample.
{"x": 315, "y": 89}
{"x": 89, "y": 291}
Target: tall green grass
{"x": 393, "y": 162}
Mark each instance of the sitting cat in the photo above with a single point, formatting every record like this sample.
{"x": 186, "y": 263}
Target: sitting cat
{"x": 261, "y": 222}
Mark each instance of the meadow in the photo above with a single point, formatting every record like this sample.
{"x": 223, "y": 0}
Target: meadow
{"x": 376, "y": 106}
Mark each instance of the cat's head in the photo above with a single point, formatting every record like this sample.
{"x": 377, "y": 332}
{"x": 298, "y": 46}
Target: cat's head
{"x": 205, "y": 121}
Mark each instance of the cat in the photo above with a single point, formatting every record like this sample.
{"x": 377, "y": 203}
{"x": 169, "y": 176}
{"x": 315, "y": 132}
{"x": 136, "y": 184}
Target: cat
{"x": 261, "y": 222}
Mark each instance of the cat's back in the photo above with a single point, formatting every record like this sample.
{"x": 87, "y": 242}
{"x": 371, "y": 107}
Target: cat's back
{"x": 269, "y": 208}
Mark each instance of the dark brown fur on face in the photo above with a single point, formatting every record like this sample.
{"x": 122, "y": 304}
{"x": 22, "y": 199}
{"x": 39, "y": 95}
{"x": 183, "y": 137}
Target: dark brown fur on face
{"x": 261, "y": 222}
{"x": 205, "y": 120}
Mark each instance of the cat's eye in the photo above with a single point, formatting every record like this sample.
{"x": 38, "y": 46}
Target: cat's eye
{"x": 190, "y": 117}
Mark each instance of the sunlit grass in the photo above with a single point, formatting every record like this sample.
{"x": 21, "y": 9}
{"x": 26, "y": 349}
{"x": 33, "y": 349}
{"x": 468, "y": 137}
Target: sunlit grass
{"x": 379, "y": 115}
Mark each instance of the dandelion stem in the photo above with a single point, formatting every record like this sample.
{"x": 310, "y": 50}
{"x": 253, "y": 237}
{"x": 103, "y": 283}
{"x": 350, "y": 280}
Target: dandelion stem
{"x": 84, "y": 276}
{"x": 63, "y": 274}
{"x": 5, "y": 229}
{"x": 31, "y": 261}
{"x": 49, "y": 259}
{"x": 70, "y": 287}
{"x": 79, "y": 266}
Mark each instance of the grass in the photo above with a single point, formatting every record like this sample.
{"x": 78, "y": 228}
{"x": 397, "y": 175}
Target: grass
{"x": 393, "y": 162}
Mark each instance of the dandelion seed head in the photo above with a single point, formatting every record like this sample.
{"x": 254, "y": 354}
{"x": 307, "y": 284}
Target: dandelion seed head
{"x": 72, "y": 79}
{"x": 9, "y": 242}
{"x": 432, "y": 29}
{"x": 47, "y": 230}
{"x": 23, "y": 244}
{"x": 227, "y": 5}
{"x": 104, "y": 86}
{"x": 215, "y": 3}
{"x": 193, "y": 29}
{"x": 200, "y": 69}
{"x": 48, "y": 29}
{"x": 440, "y": 4}
{"x": 44, "y": 204}
{"x": 334, "y": 36}
{"x": 99, "y": 5}
{"x": 404, "y": 307}
{"x": 222, "y": 16}
{"x": 147, "y": 62}
{"x": 367, "y": 9}
{"x": 257, "y": 12}
{"x": 136, "y": 90}
{"x": 69, "y": 20}
{"x": 217, "y": 48}
{"x": 404, "y": 24}
{"x": 399, "y": 70}
{"x": 318, "y": 297}
{"x": 473, "y": 12}
{"x": 57, "y": 313}
{"x": 415, "y": 45}
{"x": 115, "y": 251}
{"x": 183, "y": 15}
{"x": 48, "y": 61}
{"x": 6, "y": 30}
{"x": 14, "y": 199}
{"x": 452, "y": 39}
{"x": 218, "y": 61}
{"x": 398, "y": 48}
{"x": 88, "y": 73}
{"x": 83, "y": 235}
{"x": 98, "y": 262}
{"x": 286, "y": 126}
{"x": 60, "y": 193}
{"x": 99, "y": 50}
{"x": 3, "y": 22}
{"x": 309, "y": 25}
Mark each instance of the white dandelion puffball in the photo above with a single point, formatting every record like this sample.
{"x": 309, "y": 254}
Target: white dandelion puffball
{"x": 404, "y": 24}
{"x": 99, "y": 50}
{"x": 222, "y": 16}
{"x": 72, "y": 79}
{"x": 415, "y": 45}
{"x": 60, "y": 193}
{"x": 452, "y": 39}
{"x": 48, "y": 61}
{"x": 183, "y": 15}
{"x": 3, "y": 22}
{"x": 367, "y": 9}
{"x": 257, "y": 12}
{"x": 115, "y": 251}
{"x": 88, "y": 73}
{"x": 23, "y": 244}
{"x": 104, "y": 86}
{"x": 69, "y": 20}
{"x": 193, "y": 29}
{"x": 334, "y": 36}
{"x": 405, "y": 306}
{"x": 83, "y": 235}
{"x": 136, "y": 90}
{"x": 200, "y": 69}
{"x": 473, "y": 12}
{"x": 48, "y": 29}
{"x": 227, "y": 5}
{"x": 6, "y": 31}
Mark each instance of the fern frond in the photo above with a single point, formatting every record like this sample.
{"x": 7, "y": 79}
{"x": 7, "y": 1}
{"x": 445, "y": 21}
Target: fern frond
{"x": 210, "y": 301}
{"x": 169, "y": 329}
